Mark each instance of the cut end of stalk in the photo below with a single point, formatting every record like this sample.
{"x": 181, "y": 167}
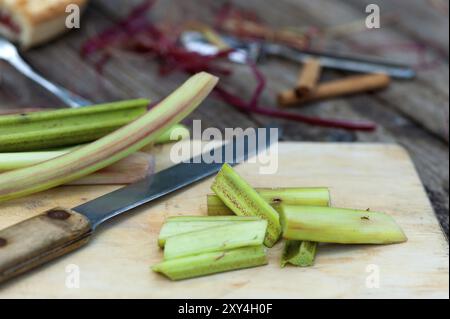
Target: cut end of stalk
{"x": 243, "y": 200}
{"x": 299, "y": 253}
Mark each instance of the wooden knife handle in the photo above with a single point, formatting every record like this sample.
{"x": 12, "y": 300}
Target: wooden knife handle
{"x": 40, "y": 239}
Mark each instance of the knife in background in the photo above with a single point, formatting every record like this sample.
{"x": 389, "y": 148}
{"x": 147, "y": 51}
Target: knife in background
{"x": 9, "y": 53}
{"x": 59, "y": 231}
{"x": 254, "y": 51}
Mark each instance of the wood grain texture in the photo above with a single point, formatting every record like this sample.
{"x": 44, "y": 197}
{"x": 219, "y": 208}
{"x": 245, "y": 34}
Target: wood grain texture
{"x": 376, "y": 176}
{"x": 129, "y": 170}
{"x": 412, "y": 114}
{"x": 42, "y": 238}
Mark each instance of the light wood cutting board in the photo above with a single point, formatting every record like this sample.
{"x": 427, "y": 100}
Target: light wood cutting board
{"x": 380, "y": 177}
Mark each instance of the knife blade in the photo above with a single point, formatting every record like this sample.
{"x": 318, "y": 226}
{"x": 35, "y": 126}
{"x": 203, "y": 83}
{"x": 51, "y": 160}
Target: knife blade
{"x": 254, "y": 51}
{"x": 59, "y": 231}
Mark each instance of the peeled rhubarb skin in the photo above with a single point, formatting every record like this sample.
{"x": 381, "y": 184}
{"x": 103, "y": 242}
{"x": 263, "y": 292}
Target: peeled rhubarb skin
{"x": 212, "y": 263}
{"x": 111, "y": 148}
{"x": 243, "y": 200}
{"x": 340, "y": 226}
{"x": 185, "y": 224}
{"x": 317, "y": 196}
{"x": 220, "y": 238}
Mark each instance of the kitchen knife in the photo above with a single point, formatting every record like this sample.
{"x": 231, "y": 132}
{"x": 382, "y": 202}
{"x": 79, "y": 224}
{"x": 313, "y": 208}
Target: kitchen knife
{"x": 59, "y": 231}
{"x": 254, "y": 51}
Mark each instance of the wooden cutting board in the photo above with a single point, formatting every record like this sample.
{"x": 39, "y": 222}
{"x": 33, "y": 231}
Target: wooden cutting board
{"x": 380, "y": 177}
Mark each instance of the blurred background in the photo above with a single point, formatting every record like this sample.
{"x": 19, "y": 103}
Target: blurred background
{"x": 140, "y": 55}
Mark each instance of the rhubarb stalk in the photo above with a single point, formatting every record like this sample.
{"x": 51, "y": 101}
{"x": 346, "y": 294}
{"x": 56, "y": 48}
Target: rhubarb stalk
{"x": 185, "y": 224}
{"x": 176, "y": 133}
{"x": 228, "y": 237}
{"x": 340, "y": 226}
{"x": 276, "y": 196}
{"x": 211, "y": 263}
{"x": 243, "y": 200}
{"x": 66, "y": 127}
{"x": 111, "y": 148}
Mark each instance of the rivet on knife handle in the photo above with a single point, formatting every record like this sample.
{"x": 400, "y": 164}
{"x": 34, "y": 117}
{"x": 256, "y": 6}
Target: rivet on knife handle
{"x": 40, "y": 239}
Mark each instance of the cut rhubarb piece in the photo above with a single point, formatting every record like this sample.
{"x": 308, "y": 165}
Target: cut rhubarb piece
{"x": 276, "y": 196}
{"x": 220, "y": 238}
{"x": 212, "y": 263}
{"x": 243, "y": 200}
{"x": 337, "y": 225}
{"x": 186, "y": 224}
{"x": 299, "y": 253}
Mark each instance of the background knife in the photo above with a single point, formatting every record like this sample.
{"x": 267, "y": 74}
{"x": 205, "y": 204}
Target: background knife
{"x": 59, "y": 231}
{"x": 255, "y": 51}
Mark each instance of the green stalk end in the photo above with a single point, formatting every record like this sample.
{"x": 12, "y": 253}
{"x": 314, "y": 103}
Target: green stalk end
{"x": 243, "y": 200}
{"x": 299, "y": 253}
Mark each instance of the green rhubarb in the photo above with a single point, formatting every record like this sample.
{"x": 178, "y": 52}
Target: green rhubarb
{"x": 275, "y": 197}
{"x": 186, "y": 224}
{"x": 66, "y": 127}
{"x": 243, "y": 200}
{"x": 337, "y": 225}
{"x": 211, "y": 263}
{"x": 174, "y": 134}
{"x": 111, "y": 148}
{"x": 12, "y": 161}
{"x": 299, "y": 253}
{"x": 214, "y": 239}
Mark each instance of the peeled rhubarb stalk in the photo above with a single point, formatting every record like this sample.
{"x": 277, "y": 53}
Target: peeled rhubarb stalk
{"x": 235, "y": 235}
{"x": 66, "y": 127}
{"x": 111, "y": 148}
{"x": 299, "y": 253}
{"x": 243, "y": 200}
{"x": 275, "y": 197}
{"x": 185, "y": 224}
{"x": 337, "y": 225}
{"x": 211, "y": 263}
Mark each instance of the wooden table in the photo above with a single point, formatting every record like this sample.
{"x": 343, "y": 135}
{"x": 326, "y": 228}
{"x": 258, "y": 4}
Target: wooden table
{"x": 412, "y": 114}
